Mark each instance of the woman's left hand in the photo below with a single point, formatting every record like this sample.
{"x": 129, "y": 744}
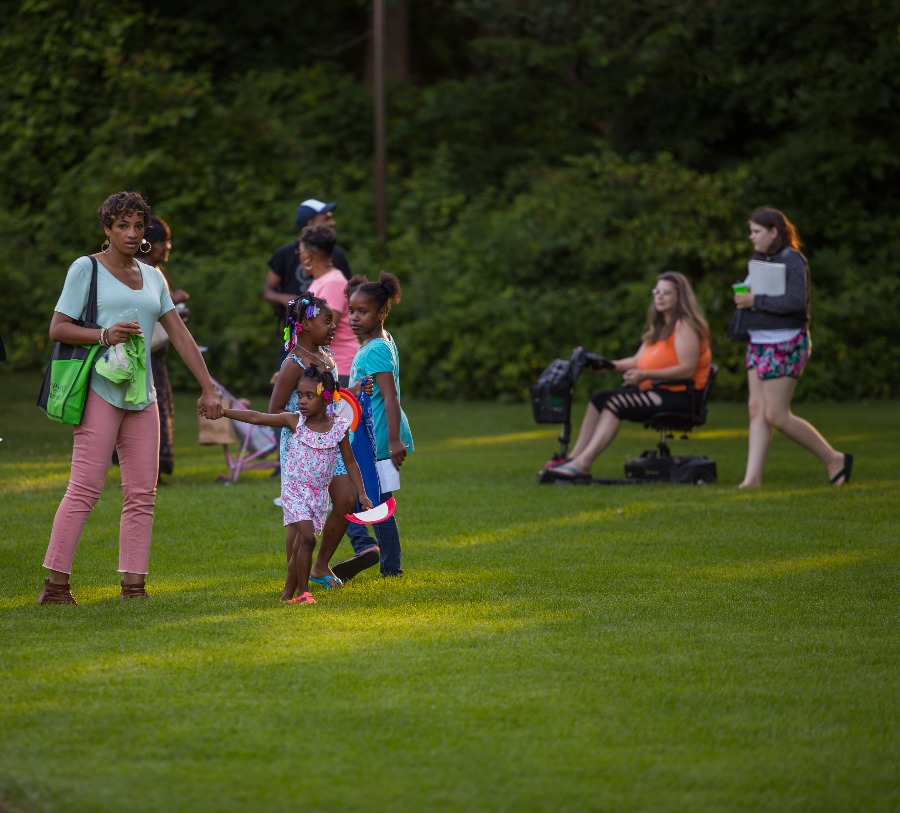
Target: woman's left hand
{"x": 743, "y": 300}
{"x": 633, "y": 377}
{"x": 210, "y": 405}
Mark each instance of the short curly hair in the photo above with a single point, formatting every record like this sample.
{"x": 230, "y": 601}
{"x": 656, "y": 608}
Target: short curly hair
{"x": 123, "y": 204}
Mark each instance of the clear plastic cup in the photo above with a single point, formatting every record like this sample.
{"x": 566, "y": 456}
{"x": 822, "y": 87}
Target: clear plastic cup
{"x": 130, "y": 315}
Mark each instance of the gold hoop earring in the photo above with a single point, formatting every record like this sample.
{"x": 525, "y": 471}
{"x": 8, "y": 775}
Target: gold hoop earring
{"x": 149, "y": 246}
{"x": 105, "y": 247}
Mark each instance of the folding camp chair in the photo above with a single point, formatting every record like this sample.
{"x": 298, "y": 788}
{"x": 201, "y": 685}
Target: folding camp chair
{"x": 253, "y": 442}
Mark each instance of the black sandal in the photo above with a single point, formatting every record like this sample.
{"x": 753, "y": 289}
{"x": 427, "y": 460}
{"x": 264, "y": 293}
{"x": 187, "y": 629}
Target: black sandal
{"x": 355, "y": 565}
{"x": 844, "y": 472}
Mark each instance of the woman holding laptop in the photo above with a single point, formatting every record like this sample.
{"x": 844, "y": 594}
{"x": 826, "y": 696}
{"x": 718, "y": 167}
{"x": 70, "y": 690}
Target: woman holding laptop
{"x": 779, "y": 348}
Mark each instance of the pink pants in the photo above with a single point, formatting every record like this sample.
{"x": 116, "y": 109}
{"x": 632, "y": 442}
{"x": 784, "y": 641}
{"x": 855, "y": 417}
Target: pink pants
{"x": 136, "y": 435}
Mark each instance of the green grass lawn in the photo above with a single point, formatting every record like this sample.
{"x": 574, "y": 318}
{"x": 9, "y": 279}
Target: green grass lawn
{"x": 550, "y": 648}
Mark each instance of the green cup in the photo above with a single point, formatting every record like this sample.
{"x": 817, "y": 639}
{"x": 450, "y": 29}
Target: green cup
{"x": 740, "y": 288}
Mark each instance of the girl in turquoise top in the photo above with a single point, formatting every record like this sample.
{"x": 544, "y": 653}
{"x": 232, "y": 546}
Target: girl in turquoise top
{"x": 377, "y": 358}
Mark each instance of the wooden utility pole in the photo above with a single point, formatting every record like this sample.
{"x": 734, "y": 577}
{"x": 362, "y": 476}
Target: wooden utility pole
{"x": 378, "y": 51}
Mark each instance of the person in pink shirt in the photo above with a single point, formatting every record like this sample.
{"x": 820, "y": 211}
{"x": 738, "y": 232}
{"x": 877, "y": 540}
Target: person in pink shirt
{"x": 316, "y": 247}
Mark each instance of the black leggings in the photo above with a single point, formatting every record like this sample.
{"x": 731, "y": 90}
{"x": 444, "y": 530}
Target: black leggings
{"x": 632, "y": 404}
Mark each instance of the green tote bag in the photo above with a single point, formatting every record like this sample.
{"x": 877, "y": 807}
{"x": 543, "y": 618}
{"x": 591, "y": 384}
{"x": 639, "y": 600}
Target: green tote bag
{"x": 68, "y": 375}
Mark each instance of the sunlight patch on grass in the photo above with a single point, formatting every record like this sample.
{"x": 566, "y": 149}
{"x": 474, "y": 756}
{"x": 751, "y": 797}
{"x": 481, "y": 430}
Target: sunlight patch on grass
{"x": 20, "y": 602}
{"x": 767, "y": 568}
{"x": 199, "y": 620}
{"x": 719, "y": 434}
{"x": 27, "y": 484}
{"x": 533, "y": 528}
{"x": 186, "y": 585}
{"x": 286, "y": 635}
{"x": 767, "y": 494}
{"x": 495, "y": 440}
{"x": 853, "y": 492}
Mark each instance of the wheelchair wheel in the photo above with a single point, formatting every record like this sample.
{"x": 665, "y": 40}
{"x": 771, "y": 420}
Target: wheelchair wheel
{"x": 703, "y": 477}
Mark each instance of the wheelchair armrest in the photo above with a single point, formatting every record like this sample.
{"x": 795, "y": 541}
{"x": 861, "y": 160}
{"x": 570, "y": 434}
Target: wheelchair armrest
{"x": 681, "y": 382}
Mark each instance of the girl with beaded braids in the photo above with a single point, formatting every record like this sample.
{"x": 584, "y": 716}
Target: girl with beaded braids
{"x": 377, "y": 359}
{"x": 118, "y": 415}
{"x": 310, "y": 327}
{"x": 317, "y": 434}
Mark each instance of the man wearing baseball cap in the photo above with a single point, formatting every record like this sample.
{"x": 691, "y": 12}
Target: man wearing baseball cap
{"x": 286, "y": 279}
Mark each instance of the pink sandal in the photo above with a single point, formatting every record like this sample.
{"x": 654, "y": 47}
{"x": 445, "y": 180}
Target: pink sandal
{"x": 304, "y": 598}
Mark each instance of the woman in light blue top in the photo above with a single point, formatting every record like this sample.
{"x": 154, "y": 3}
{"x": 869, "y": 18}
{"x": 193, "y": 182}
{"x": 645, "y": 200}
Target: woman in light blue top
{"x": 120, "y": 413}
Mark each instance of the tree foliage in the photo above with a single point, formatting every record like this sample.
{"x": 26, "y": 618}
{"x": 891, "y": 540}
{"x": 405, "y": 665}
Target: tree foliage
{"x": 547, "y": 159}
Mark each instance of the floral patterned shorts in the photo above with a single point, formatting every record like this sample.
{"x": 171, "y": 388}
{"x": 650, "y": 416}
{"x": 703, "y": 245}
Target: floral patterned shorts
{"x": 785, "y": 359}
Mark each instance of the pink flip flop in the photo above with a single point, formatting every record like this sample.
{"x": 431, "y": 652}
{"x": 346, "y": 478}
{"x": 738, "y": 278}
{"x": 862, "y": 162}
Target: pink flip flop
{"x": 304, "y": 598}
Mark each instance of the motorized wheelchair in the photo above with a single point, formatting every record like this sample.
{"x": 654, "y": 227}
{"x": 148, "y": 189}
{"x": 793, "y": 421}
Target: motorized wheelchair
{"x": 551, "y": 400}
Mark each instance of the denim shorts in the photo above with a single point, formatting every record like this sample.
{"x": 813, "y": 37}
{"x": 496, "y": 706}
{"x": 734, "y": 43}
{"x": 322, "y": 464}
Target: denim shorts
{"x": 781, "y": 360}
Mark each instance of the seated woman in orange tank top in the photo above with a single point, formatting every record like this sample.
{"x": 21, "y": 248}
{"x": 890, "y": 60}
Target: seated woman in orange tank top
{"x": 675, "y": 344}
{"x": 663, "y": 354}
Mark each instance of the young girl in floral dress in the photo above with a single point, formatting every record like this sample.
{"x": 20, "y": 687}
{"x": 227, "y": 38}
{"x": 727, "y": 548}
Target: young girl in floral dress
{"x": 317, "y": 435}
{"x": 310, "y": 327}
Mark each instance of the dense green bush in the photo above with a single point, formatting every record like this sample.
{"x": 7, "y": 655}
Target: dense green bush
{"x": 514, "y": 281}
{"x": 551, "y": 159}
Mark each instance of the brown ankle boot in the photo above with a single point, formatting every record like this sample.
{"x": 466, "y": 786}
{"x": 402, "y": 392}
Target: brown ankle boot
{"x": 133, "y": 590}
{"x": 56, "y": 594}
